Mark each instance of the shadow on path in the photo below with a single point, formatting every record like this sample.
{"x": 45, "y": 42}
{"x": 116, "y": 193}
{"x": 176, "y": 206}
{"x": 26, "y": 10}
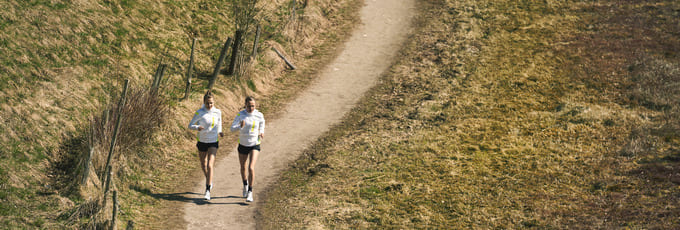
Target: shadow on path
{"x": 188, "y": 197}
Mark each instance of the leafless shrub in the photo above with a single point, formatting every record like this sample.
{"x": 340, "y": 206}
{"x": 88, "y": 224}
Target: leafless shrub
{"x": 143, "y": 114}
{"x": 86, "y": 209}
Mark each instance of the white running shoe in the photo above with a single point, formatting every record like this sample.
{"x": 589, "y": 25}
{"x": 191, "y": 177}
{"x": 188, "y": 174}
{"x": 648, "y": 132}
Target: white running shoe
{"x": 207, "y": 195}
{"x": 250, "y": 197}
{"x": 245, "y": 190}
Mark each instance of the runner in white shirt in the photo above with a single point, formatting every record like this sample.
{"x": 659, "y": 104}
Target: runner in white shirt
{"x": 208, "y": 122}
{"x": 250, "y": 124}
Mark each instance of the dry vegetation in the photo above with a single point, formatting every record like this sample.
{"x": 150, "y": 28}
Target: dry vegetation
{"x": 63, "y": 65}
{"x": 507, "y": 114}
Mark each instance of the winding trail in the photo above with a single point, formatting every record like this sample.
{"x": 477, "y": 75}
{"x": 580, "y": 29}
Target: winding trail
{"x": 366, "y": 55}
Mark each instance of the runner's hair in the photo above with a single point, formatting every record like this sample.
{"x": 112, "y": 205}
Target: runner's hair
{"x": 249, "y": 98}
{"x": 207, "y": 95}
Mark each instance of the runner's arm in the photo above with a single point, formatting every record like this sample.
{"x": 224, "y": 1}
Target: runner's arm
{"x": 194, "y": 120}
{"x": 262, "y": 126}
{"x": 236, "y": 125}
{"x": 219, "y": 123}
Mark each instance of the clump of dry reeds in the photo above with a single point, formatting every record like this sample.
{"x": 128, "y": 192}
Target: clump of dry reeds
{"x": 143, "y": 113}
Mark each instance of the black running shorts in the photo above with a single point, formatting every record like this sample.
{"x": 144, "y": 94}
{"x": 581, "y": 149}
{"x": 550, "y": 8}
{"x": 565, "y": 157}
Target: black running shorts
{"x": 247, "y": 149}
{"x": 203, "y": 147}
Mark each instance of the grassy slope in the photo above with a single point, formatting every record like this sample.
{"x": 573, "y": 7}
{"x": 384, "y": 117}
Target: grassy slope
{"x": 507, "y": 114}
{"x": 65, "y": 60}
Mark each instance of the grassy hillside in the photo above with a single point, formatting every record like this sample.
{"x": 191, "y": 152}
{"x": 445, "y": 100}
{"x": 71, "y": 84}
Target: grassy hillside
{"x": 507, "y": 114}
{"x": 64, "y": 63}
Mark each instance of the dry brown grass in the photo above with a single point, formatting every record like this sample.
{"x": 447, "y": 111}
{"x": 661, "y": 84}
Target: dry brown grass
{"x": 64, "y": 61}
{"x": 506, "y": 114}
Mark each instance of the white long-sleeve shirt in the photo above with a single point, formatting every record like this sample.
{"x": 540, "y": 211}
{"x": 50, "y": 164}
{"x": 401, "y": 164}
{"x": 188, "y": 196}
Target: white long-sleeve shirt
{"x": 249, "y": 134}
{"x": 211, "y": 121}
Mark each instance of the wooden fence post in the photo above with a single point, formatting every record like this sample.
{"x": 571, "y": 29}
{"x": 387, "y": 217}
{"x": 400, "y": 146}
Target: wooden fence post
{"x": 257, "y": 39}
{"x": 106, "y": 116}
{"x": 155, "y": 75}
{"x": 121, "y": 106}
{"x": 284, "y": 58}
{"x": 160, "y": 71}
{"x": 216, "y": 72}
{"x": 115, "y": 210}
{"x": 88, "y": 160}
{"x": 293, "y": 10}
{"x": 235, "y": 52}
{"x": 107, "y": 184}
{"x": 191, "y": 67}
{"x": 157, "y": 78}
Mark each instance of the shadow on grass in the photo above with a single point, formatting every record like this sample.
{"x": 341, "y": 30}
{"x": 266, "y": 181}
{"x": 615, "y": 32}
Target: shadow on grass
{"x": 67, "y": 167}
{"x": 187, "y": 197}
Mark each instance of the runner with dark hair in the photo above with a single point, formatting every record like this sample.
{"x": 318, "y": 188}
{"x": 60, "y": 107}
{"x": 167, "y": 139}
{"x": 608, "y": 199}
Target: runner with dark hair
{"x": 250, "y": 124}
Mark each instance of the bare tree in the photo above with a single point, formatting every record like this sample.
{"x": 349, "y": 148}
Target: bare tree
{"x": 244, "y": 13}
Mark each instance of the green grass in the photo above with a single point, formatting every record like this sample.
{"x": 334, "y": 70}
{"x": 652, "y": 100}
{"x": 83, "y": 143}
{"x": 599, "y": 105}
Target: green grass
{"x": 66, "y": 61}
{"x": 251, "y": 85}
{"x": 514, "y": 116}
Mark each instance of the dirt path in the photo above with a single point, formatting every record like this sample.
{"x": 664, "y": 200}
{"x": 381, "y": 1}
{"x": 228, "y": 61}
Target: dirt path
{"x": 367, "y": 54}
